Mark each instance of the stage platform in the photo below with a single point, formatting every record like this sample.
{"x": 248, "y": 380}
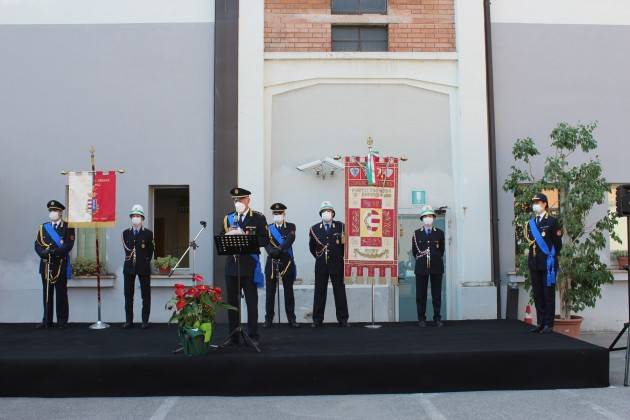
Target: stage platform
{"x": 397, "y": 358}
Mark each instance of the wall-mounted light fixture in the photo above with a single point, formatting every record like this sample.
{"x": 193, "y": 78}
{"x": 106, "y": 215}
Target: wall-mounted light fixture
{"x": 321, "y": 167}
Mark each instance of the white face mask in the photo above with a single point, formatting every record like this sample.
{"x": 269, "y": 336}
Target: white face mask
{"x": 136, "y": 220}
{"x": 538, "y": 208}
{"x": 54, "y": 216}
{"x": 278, "y": 219}
{"x": 428, "y": 221}
{"x": 240, "y": 207}
{"x": 327, "y": 216}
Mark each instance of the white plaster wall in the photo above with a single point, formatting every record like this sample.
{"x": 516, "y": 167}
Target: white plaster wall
{"x": 582, "y": 12}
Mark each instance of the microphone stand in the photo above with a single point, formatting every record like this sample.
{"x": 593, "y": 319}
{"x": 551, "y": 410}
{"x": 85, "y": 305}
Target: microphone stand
{"x": 191, "y": 246}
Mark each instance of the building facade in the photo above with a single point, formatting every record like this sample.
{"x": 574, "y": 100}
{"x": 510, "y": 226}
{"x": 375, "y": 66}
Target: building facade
{"x": 194, "y": 98}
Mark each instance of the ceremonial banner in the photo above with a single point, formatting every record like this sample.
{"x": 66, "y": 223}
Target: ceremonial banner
{"x": 371, "y": 216}
{"x": 92, "y": 199}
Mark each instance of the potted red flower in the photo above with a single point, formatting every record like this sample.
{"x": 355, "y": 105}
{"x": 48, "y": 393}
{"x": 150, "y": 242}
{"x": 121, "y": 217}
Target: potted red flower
{"x": 194, "y": 309}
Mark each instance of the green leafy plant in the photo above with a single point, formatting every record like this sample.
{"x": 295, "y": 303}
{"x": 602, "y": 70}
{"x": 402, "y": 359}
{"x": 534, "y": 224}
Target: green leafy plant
{"x": 619, "y": 253}
{"x": 196, "y": 307}
{"x": 84, "y": 267}
{"x": 580, "y": 184}
{"x": 165, "y": 263}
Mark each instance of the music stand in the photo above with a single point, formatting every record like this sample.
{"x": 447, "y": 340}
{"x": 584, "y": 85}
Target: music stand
{"x": 235, "y": 246}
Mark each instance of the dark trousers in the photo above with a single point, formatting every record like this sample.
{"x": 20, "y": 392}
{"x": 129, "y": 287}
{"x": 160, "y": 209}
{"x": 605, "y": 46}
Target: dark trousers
{"x": 251, "y": 299}
{"x": 145, "y": 292}
{"x": 62, "y": 309}
{"x": 422, "y": 282}
{"x": 544, "y": 298}
{"x": 289, "y": 299}
{"x": 322, "y": 274}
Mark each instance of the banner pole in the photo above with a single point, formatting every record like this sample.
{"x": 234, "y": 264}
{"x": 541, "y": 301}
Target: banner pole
{"x": 373, "y": 325}
{"x": 98, "y": 325}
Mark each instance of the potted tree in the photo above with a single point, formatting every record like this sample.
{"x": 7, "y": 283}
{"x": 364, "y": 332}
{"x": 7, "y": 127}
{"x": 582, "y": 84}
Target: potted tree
{"x": 573, "y": 170}
{"x": 194, "y": 309}
{"x": 165, "y": 264}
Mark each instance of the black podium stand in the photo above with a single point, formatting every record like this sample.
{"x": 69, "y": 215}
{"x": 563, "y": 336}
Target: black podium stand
{"x": 235, "y": 246}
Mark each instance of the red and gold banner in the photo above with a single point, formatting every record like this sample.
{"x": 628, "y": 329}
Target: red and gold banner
{"x": 92, "y": 199}
{"x": 371, "y": 216}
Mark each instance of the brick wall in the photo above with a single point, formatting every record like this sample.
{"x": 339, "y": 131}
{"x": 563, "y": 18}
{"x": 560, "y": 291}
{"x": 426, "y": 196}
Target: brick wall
{"x": 295, "y": 25}
{"x": 414, "y": 25}
{"x": 431, "y": 26}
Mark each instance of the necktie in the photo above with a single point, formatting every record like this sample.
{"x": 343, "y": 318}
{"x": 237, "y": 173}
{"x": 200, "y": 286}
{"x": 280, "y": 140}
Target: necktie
{"x": 135, "y": 232}
{"x": 327, "y": 226}
{"x": 240, "y": 220}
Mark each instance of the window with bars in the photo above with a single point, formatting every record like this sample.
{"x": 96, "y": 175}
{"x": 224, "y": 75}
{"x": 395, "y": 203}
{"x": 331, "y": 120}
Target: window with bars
{"x": 359, "y": 38}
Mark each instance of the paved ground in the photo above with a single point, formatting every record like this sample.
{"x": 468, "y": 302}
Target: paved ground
{"x": 611, "y": 403}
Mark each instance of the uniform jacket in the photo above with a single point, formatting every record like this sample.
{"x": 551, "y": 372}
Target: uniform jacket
{"x": 435, "y": 242}
{"x": 327, "y": 248}
{"x": 142, "y": 246}
{"x": 45, "y": 247}
{"x": 281, "y": 252}
{"x": 253, "y": 223}
{"x": 551, "y": 232}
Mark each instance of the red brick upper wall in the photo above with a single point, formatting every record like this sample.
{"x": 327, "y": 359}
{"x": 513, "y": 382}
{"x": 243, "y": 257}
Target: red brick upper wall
{"x": 414, "y": 25}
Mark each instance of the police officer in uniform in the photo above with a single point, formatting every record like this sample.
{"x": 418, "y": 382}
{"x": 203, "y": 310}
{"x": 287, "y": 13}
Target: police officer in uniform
{"x": 138, "y": 246}
{"x": 542, "y": 275}
{"x": 427, "y": 246}
{"x": 244, "y": 220}
{"x": 53, "y": 244}
{"x": 326, "y": 243}
{"x": 280, "y": 265}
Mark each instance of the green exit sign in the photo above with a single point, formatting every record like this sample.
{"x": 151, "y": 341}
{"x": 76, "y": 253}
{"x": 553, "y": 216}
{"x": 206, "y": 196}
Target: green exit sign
{"x": 418, "y": 198}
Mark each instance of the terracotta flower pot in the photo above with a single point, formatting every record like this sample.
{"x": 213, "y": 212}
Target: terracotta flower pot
{"x": 164, "y": 270}
{"x": 570, "y": 327}
{"x": 622, "y": 261}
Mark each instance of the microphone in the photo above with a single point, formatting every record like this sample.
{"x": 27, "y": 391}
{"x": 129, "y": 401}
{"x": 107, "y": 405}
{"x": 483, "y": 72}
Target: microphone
{"x": 203, "y": 223}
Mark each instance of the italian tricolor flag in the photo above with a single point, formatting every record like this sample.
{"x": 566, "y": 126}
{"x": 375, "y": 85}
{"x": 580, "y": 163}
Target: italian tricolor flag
{"x": 92, "y": 199}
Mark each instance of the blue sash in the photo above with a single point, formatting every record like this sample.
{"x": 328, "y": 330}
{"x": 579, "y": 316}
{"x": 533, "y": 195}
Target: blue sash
{"x": 259, "y": 276}
{"x": 57, "y": 240}
{"x": 277, "y": 236}
{"x": 551, "y": 266}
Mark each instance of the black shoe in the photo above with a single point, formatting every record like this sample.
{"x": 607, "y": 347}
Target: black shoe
{"x": 128, "y": 325}
{"x": 317, "y": 325}
{"x": 294, "y": 324}
{"x": 536, "y": 329}
{"x": 62, "y": 326}
{"x": 546, "y": 330}
{"x": 344, "y": 324}
{"x": 439, "y": 323}
{"x": 145, "y": 325}
{"x": 422, "y": 323}
{"x": 42, "y": 326}
{"x": 268, "y": 323}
